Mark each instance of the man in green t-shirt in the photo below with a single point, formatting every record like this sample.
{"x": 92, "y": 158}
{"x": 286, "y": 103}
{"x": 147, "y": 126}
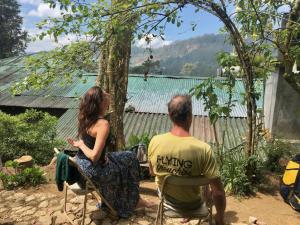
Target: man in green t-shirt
{"x": 177, "y": 152}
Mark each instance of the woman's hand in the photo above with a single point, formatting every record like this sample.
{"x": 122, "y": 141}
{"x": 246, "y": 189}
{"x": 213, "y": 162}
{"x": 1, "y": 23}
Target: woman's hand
{"x": 77, "y": 144}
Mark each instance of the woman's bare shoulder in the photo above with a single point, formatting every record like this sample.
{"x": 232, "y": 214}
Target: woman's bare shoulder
{"x": 102, "y": 123}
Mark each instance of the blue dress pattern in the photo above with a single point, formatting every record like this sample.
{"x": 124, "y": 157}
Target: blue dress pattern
{"x": 118, "y": 179}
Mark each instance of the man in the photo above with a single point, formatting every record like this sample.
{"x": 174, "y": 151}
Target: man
{"x": 177, "y": 152}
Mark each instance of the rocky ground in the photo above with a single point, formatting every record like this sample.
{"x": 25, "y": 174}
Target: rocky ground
{"x": 43, "y": 206}
{"x": 34, "y": 206}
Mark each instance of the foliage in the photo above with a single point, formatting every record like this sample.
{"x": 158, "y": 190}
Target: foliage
{"x": 234, "y": 172}
{"x": 276, "y": 150}
{"x": 23, "y": 177}
{"x": 13, "y": 39}
{"x": 31, "y": 133}
{"x": 61, "y": 65}
{"x": 144, "y": 138}
{"x": 206, "y": 91}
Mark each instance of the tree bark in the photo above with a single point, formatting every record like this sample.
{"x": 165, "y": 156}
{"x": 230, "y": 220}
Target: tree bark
{"x": 113, "y": 73}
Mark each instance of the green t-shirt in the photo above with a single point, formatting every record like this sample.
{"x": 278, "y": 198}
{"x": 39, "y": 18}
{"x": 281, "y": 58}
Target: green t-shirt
{"x": 182, "y": 156}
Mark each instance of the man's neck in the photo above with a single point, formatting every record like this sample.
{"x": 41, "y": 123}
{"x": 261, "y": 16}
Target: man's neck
{"x": 180, "y": 131}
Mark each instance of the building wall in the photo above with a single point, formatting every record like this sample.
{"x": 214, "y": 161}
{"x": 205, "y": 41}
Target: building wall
{"x": 282, "y": 108}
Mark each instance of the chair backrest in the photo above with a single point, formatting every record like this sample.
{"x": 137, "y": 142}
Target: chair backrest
{"x": 185, "y": 181}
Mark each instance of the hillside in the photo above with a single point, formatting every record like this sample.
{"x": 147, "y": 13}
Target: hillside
{"x": 192, "y": 57}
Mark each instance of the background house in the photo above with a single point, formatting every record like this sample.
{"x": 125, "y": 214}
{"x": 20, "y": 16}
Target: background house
{"x": 146, "y": 99}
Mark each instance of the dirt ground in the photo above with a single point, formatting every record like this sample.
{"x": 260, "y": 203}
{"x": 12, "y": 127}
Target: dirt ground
{"x": 267, "y": 205}
{"x": 268, "y": 208}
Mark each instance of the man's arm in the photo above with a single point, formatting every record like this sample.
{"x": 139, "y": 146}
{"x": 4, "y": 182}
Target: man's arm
{"x": 151, "y": 169}
{"x": 218, "y": 195}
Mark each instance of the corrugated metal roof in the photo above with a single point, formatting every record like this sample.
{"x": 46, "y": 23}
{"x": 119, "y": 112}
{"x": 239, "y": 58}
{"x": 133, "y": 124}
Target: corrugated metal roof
{"x": 153, "y": 95}
{"x": 149, "y": 96}
{"x": 155, "y": 123}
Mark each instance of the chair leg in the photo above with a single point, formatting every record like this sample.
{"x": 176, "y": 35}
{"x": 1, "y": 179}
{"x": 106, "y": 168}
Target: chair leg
{"x": 161, "y": 213}
{"x": 84, "y": 204}
{"x": 66, "y": 195}
{"x": 199, "y": 222}
{"x": 158, "y": 214}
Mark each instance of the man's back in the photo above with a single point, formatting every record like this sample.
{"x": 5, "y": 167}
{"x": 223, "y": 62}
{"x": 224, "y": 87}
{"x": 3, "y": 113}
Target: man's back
{"x": 182, "y": 156}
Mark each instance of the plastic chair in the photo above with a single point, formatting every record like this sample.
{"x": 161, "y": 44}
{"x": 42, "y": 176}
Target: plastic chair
{"x": 89, "y": 188}
{"x": 165, "y": 208}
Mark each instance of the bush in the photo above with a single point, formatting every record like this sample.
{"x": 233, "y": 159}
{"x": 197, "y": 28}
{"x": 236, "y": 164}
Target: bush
{"x": 234, "y": 172}
{"x": 31, "y": 133}
{"x": 27, "y": 177}
{"x": 274, "y": 151}
{"x": 144, "y": 138}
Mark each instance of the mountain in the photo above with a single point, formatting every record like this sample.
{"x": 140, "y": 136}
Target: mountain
{"x": 191, "y": 57}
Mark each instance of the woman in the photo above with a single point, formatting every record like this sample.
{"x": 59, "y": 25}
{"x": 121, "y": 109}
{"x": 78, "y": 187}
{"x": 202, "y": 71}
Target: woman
{"x": 116, "y": 173}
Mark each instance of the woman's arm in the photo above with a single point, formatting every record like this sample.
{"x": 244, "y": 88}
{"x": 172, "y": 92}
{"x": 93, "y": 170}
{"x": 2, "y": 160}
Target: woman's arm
{"x": 102, "y": 129}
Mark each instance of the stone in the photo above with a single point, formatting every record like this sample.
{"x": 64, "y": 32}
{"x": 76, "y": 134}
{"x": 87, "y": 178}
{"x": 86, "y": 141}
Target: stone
{"x": 16, "y": 208}
{"x": 19, "y": 196}
{"x": 28, "y": 212}
{"x": 2, "y": 210}
{"x": 6, "y": 222}
{"x": 30, "y": 198}
{"x": 23, "y": 209}
{"x": 40, "y": 213}
{"x": 77, "y": 199}
{"x": 238, "y": 224}
{"x": 54, "y": 202}
{"x": 151, "y": 214}
{"x": 45, "y": 220}
{"x": 252, "y": 220}
{"x": 90, "y": 208}
{"x": 87, "y": 220}
{"x": 43, "y": 204}
{"x": 261, "y": 222}
{"x": 144, "y": 222}
{"x": 98, "y": 215}
{"x": 60, "y": 218}
{"x": 5, "y": 194}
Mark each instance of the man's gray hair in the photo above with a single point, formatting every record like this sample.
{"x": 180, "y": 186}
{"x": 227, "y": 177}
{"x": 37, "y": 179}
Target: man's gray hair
{"x": 180, "y": 109}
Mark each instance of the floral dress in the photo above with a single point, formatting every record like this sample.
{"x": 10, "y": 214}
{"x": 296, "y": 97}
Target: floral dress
{"x": 118, "y": 179}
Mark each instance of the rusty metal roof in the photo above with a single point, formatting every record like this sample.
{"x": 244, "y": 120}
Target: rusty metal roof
{"x": 156, "y": 123}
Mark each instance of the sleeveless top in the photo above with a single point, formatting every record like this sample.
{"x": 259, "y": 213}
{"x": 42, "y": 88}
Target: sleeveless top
{"x": 89, "y": 141}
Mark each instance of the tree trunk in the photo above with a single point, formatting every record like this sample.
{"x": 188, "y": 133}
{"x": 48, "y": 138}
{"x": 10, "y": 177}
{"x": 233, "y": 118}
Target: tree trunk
{"x": 113, "y": 74}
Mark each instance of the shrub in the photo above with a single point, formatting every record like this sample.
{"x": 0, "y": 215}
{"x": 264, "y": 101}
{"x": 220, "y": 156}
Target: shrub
{"x": 144, "y": 138}
{"x": 234, "y": 172}
{"x": 31, "y": 133}
{"x": 234, "y": 177}
{"x": 274, "y": 151}
{"x": 27, "y": 177}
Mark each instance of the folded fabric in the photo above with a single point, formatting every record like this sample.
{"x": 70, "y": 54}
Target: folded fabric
{"x": 65, "y": 172}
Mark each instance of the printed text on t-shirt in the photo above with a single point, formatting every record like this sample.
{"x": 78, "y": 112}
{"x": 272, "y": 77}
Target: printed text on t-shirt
{"x": 173, "y": 165}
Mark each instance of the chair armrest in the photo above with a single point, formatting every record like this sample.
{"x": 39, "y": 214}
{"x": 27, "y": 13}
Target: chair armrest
{"x": 56, "y": 151}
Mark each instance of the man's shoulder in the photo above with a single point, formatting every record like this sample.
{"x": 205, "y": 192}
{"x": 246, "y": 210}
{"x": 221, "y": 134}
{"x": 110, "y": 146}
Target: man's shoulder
{"x": 159, "y": 136}
{"x": 201, "y": 144}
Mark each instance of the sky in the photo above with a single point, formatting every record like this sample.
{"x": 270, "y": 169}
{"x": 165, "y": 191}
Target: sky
{"x": 34, "y": 11}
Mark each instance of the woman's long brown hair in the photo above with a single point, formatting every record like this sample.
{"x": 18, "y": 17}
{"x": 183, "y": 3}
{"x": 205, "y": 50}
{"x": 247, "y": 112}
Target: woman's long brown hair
{"x": 89, "y": 109}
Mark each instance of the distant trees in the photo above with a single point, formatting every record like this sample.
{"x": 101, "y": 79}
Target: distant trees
{"x": 13, "y": 39}
{"x": 188, "y": 69}
{"x": 199, "y": 51}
